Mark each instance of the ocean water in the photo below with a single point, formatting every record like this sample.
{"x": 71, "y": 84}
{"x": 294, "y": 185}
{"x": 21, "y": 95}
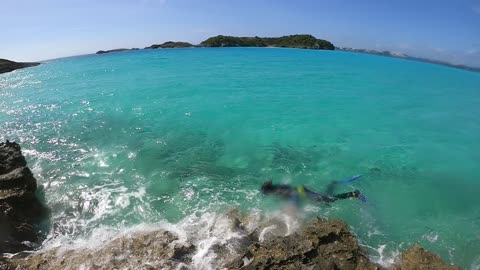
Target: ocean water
{"x": 132, "y": 139}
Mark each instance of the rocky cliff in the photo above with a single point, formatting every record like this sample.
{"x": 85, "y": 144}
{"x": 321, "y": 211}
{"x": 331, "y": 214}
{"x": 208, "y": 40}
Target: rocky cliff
{"x": 20, "y": 210}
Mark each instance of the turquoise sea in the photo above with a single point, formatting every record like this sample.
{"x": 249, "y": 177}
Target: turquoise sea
{"x": 152, "y": 136}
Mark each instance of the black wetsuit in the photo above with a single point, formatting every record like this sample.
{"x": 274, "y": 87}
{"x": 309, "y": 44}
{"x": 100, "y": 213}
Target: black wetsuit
{"x": 296, "y": 194}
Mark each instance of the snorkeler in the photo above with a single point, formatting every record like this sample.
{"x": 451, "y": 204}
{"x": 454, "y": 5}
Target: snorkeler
{"x": 300, "y": 193}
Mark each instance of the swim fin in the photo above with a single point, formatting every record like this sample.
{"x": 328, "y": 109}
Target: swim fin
{"x": 349, "y": 180}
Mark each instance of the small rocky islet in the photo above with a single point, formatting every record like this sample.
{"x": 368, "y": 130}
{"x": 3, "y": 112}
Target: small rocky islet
{"x": 116, "y": 50}
{"x": 318, "y": 244}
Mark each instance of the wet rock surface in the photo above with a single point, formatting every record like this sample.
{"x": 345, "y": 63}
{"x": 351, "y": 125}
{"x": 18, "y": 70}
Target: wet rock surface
{"x": 319, "y": 244}
{"x": 152, "y": 250}
{"x": 20, "y": 210}
{"x": 417, "y": 258}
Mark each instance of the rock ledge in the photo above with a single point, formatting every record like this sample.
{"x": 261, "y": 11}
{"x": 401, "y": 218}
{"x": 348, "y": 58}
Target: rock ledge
{"x": 20, "y": 209}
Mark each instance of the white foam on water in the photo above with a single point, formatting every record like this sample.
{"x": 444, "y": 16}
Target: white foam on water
{"x": 205, "y": 232}
{"x": 373, "y": 232}
{"x": 382, "y": 256}
{"x": 247, "y": 261}
{"x": 49, "y": 156}
{"x": 387, "y": 259}
{"x": 266, "y": 230}
{"x": 431, "y": 237}
{"x": 102, "y": 164}
{"x": 475, "y": 264}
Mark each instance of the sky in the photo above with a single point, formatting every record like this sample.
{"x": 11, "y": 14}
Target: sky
{"x": 34, "y": 30}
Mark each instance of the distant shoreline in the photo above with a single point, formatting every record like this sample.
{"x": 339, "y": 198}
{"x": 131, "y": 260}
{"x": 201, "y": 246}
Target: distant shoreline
{"x": 8, "y": 66}
{"x": 408, "y": 57}
{"x": 361, "y": 51}
{"x": 303, "y": 41}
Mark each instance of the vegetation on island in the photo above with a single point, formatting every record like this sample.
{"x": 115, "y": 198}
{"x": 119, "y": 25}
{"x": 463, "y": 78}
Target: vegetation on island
{"x": 170, "y": 45}
{"x": 292, "y": 41}
{"x": 7, "y": 65}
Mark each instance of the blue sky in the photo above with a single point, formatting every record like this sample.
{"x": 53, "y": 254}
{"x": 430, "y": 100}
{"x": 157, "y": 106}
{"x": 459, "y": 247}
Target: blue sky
{"x": 45, "y": 29}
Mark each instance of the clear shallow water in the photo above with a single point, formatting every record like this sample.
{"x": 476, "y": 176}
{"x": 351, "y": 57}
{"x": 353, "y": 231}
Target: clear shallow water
{"x": 151, "y": 136}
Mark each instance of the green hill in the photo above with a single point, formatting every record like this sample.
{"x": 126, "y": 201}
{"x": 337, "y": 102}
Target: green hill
{"x": 292, "y": 41}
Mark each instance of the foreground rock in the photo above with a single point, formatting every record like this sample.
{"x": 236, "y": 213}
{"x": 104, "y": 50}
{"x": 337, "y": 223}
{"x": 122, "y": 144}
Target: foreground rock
{"x": 7, "y": 65}
{"x": 320, "y": 245}
{"x": 317, "y": 245}
{"x": 417, "y": 258}
{"x": 20, "y": 210}
{"x": 153, "y": 250}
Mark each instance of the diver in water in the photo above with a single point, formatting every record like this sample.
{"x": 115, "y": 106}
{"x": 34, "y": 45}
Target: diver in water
{"x": 297, "y": 194}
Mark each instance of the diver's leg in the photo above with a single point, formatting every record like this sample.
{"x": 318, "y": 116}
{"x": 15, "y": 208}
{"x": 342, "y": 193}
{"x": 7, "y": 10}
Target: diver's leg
{"x": 314, "y": 196}
{"x": 346, "y": 195}
{"x": 331, "y": 187}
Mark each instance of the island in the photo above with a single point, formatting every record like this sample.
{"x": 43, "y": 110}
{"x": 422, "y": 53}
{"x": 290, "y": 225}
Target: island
{"x": 7, "y": 65}
{"x": 291, "y": 41}
{"x": 116, "y": 50}
{"x": 171, "y": 45}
